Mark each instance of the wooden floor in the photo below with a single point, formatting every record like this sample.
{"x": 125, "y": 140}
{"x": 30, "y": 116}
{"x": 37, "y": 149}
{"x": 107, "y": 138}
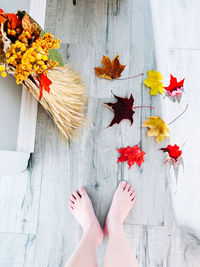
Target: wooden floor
{"x": 36, "y": 228}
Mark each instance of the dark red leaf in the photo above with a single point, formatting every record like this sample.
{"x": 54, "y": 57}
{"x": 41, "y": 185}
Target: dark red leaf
{"x": 123, "y": 109}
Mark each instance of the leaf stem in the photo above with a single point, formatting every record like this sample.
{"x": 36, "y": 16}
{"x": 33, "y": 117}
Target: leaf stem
{"x": 178, "y": 115}
{"x": 143, "y": 107}
{"x": 132, "y": 77}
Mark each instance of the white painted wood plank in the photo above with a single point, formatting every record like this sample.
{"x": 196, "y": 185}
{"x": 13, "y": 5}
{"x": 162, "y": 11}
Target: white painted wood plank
{"x": 16, "y": 250}
{"x": 19, "y": 199}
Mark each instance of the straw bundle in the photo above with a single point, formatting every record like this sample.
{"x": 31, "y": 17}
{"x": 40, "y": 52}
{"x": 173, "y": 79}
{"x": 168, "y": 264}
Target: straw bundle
{"x": 65, "y": 101}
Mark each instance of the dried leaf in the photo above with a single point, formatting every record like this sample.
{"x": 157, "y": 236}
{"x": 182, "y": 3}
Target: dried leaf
{"x": 158, "y": 128}
{"x": 45, "y": 83}
{"x": 30, "y": 25}
{"x": 123, "y": 109}
{"x": 175, "y": 88}
{"x": 13, "y": 21}
{"x": 154, "y": 82}
{"x": 173, "y": 151}
{"x": 131, "y": 155}
{"x": 111, "y": 70}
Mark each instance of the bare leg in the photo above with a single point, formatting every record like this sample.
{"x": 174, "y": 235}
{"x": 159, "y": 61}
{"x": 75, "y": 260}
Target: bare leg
{"x": 119, "y": 253}
{"x": 85, "y": 253}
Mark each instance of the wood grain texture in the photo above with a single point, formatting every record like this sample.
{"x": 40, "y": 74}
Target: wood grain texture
{"x": 138, "y": 30}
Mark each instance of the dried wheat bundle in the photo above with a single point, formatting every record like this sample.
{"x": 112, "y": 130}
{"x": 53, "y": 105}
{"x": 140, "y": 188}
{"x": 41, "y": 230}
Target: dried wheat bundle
{"x": 31, "y": 56}
{"x": 65, "y": 101}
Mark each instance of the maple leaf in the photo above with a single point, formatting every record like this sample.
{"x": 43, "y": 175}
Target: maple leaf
{"x": 154, "y": 82}
{"x": 12, "y": 20}
{"x": 173, "y": 151}
{"x": 111, "y": 70}
{"x": 131, "y": 155}
{"x": 158, "y": 128}
{"x": 175, "y": 88}
{"x": 123, "y": 109}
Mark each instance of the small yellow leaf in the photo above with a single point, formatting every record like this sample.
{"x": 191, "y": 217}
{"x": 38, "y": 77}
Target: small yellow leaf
{"x": 158, "y": 128}
{"x": 154, "y": 82}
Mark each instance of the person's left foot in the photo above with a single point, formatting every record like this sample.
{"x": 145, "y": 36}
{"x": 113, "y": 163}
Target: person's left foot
{"x": 81, "y": 207}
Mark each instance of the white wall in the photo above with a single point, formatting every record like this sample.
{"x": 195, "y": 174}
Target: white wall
{"x": 14, "y": 5}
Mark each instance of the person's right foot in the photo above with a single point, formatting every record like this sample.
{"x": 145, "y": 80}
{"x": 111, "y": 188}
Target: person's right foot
{"x": 123, "y": 201}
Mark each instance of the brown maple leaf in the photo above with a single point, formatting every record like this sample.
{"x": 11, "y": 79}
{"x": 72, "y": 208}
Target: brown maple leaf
{"x": 110, "y": 70}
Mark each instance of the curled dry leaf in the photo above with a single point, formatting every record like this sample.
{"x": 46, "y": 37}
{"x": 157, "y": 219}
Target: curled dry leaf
{"x": 110, "y": 70}
{"x": 123, "y": 109}
{"x": 154, "y": 82}
{"x": 30, "y": 25}
{"x": 175, "y": 88}
{"x": 173, "y": 151}
{"x": 131, "y": 155}
{"x": 158, "y": 128}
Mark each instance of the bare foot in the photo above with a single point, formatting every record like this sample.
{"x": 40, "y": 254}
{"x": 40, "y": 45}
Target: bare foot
{"x": 123, "y": 201}
{"x": 81, "y": 207}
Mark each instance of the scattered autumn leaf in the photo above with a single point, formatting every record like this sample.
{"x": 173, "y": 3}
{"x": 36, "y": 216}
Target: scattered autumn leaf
{"x": 123, "y": 109}
{"x": 158, "y": 128}
{"x": 154, "y": 82}
{"x": 175, "y": 88}
{"x": 173, "y": 151}
{"x": 110, "y": 70}
{"x": 131, "y": 155}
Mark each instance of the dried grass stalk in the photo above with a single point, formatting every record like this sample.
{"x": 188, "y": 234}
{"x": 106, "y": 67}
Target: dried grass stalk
{"x": 65, "y": 102}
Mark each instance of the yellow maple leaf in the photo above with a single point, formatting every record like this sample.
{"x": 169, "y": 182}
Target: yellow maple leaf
{"x": 158, "y": 128}
{"x": 154, "y": 82}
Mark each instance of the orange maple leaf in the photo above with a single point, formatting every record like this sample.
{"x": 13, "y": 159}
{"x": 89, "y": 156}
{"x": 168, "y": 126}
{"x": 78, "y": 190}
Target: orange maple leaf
{"x": 13, "y": 21}
{"x": 110, "y": 70}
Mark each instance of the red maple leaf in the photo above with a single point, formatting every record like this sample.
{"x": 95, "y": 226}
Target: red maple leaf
{"x": 45, "y": 82}
{"x": 173, "y": 151}
{"x": 131, "y": 155}
{"x": 123, "y": 109}
{"x": 174, "y": 88}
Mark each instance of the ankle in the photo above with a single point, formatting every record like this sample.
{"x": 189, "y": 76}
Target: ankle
{"x": 90, "y": 227}
{"x": 115, "y": 227}
{"x": 94, "y": 233}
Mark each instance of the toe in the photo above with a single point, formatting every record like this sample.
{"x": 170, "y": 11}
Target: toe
{"x": 71, "y": 205}
{"x": 82, "y": 192}
{"x": 132, "y": 195}
{"x": 71, "y": 208}
{"x": 131, "y": 191}
{"x": 133, "y": 199}
{"x": 76, "y": 195}
{"x": 72, "y": 197}
{"x": 127, "y": 187}
{"x": 122, "y": 185}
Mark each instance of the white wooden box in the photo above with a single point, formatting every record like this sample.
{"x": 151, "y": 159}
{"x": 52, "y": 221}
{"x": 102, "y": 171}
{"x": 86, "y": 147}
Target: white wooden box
{"x": 18, "y": 109}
